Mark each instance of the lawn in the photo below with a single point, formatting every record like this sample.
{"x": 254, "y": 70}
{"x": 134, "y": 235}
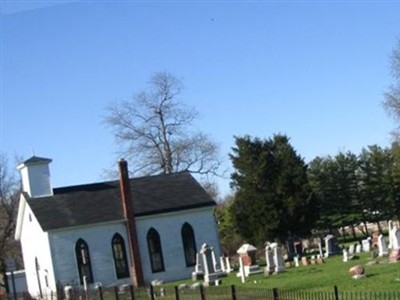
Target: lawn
{"x": 380, "y": 276}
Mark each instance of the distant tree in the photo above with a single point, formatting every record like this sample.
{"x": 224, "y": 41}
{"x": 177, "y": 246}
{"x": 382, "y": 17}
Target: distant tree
{"x": 375, "y": 183}
{"x": 273, "y": 198}
{"x": 229, "y": 234}
{"x": 334, "y": 181}
{"x": 9, "y": 196}
{"x": 395, "y": 181}
{"x": 392, "y": 95}
{"x": 155, "y": 131}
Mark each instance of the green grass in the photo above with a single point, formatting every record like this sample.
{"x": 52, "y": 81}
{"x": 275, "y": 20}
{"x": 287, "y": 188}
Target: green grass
{"x": 381, "y": 276}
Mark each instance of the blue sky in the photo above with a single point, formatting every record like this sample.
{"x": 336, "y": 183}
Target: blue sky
{"x": 313, "y": 70}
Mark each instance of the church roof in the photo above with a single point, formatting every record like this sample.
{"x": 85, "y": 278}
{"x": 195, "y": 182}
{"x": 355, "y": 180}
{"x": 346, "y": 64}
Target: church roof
{"x": 100, "y": 202}
{"x": 37, "y": 159}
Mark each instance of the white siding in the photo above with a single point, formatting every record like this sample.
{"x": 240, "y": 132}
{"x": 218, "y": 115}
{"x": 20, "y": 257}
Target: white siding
{"x": 98, "y": 239}
{"x": 169, "y": 228}
{"x": 34, "y": 243}
{"x": 36, "y": 180}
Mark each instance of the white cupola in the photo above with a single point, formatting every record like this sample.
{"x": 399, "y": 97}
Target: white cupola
{"x": 35, "y": 176}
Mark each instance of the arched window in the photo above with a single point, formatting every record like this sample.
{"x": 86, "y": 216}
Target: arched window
{"x": 155, "y": 251}
{"x": 189, "y": 244}
{"x": 119, "y": 253}
{"x": 37, "y": 268}
{"x": 83, "y": 261}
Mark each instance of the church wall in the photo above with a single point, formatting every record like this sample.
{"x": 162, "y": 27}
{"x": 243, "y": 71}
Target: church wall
{"x": 35, "y": 245}
{"x": 99, "y": 239}
{"x": 169, "y": 228}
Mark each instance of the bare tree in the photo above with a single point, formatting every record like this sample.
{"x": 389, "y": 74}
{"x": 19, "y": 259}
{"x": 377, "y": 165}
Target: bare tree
{"x": 155, "y": 131}
{"x": 9, "y": 197}
{"x": 392, "y": 96}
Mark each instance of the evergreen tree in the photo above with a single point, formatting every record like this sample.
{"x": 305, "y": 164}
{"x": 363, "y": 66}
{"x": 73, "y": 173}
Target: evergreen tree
{"x": 273, "y": 197}
{"x": 375, "y": 182}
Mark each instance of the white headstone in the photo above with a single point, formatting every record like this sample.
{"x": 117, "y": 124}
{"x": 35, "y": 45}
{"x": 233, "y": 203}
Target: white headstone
{"x": 329, "y": 245}
{"x": 358, "y": 248}
{"x": 198, "y": 268}
{"x": 351, "y": 249}
{"x": 296, "y": 261}
{"x": 269, "y": 258}
{"x": 395, "y": 233}
{"x": 320, "y": 249}
{"x": 366, "y": 244}
{"x": 228, "y": 265}
{"x": 222, "y": 263}
{"x": 278, "y": 260}
{"x": 217, "y": 267}
{"x": 345, "y": 255}
{"x": 241, "y": 270}
{"x": 390, "y": 228}
{"x": 383, "y": 249}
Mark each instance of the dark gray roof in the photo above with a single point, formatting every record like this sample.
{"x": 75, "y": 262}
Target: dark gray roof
{"x": 100, "y": 202}
{"x": 37, "y": 159}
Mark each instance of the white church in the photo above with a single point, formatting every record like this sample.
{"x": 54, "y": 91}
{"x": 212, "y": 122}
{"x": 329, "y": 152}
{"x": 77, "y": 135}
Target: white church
{"x": 129, "y": 231}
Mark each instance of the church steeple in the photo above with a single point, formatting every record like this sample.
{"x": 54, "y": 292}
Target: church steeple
{"x": 35, "y": 176}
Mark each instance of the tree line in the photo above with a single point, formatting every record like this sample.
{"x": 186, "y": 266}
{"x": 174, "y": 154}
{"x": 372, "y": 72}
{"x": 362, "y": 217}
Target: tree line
{"x": 277, "y": 195}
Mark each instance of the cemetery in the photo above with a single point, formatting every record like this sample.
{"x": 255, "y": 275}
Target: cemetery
{"x": 320, "y": 269}
{"x": 363, "y": 266}
{"x": 366, "y": 273}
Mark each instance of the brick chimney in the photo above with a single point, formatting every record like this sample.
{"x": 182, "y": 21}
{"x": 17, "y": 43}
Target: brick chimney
{"x": 129, "y": 214}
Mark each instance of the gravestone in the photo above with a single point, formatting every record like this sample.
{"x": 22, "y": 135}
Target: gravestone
{"x": 390, "y": 229}
{"x": 278, "y": 260}
{"x": 351, "y": 249}
{"x": 228, "y": 265}
{"x": 222, "y": 263}
{"x": 248, "y": 254}
{"x": 395, "y": 253}
{"x": 217, "y": 266}
{"x": 320, "y": 259}
{"x": 366, "y": 244}
{"x": 296, "y": 261}
{"x": 383, "y": 249}
{"x": 374, "y": 240}
{"x": 304, "y": 261}
{"x": 210, "y": 275}
{"x": 198, "y": 273}
{"x": 320, "y": 248}
{"x": 242, "y": 273}
{"x": 269, "y": 258}
{"x": 358, "y": 248}
{"x": 345, "y": 255}
{"x": 395, "y": 233}
{"x": 330, "y": 245}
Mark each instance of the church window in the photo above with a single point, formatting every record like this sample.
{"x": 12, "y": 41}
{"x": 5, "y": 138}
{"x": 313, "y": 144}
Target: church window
{"x": 83, "y": 261}
{"x": 155, "y": 251}
{"x": 37, "y": 269}
{"x": 189, "y": 244}
{"x": 119, "y": 253}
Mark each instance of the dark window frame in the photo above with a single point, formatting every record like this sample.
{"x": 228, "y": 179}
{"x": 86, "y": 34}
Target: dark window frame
{"x": 84, "y": 265}
{"x": 155, "y": 251}
{"x": 189, "y": 244}
{"x": 119, "y": 255}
